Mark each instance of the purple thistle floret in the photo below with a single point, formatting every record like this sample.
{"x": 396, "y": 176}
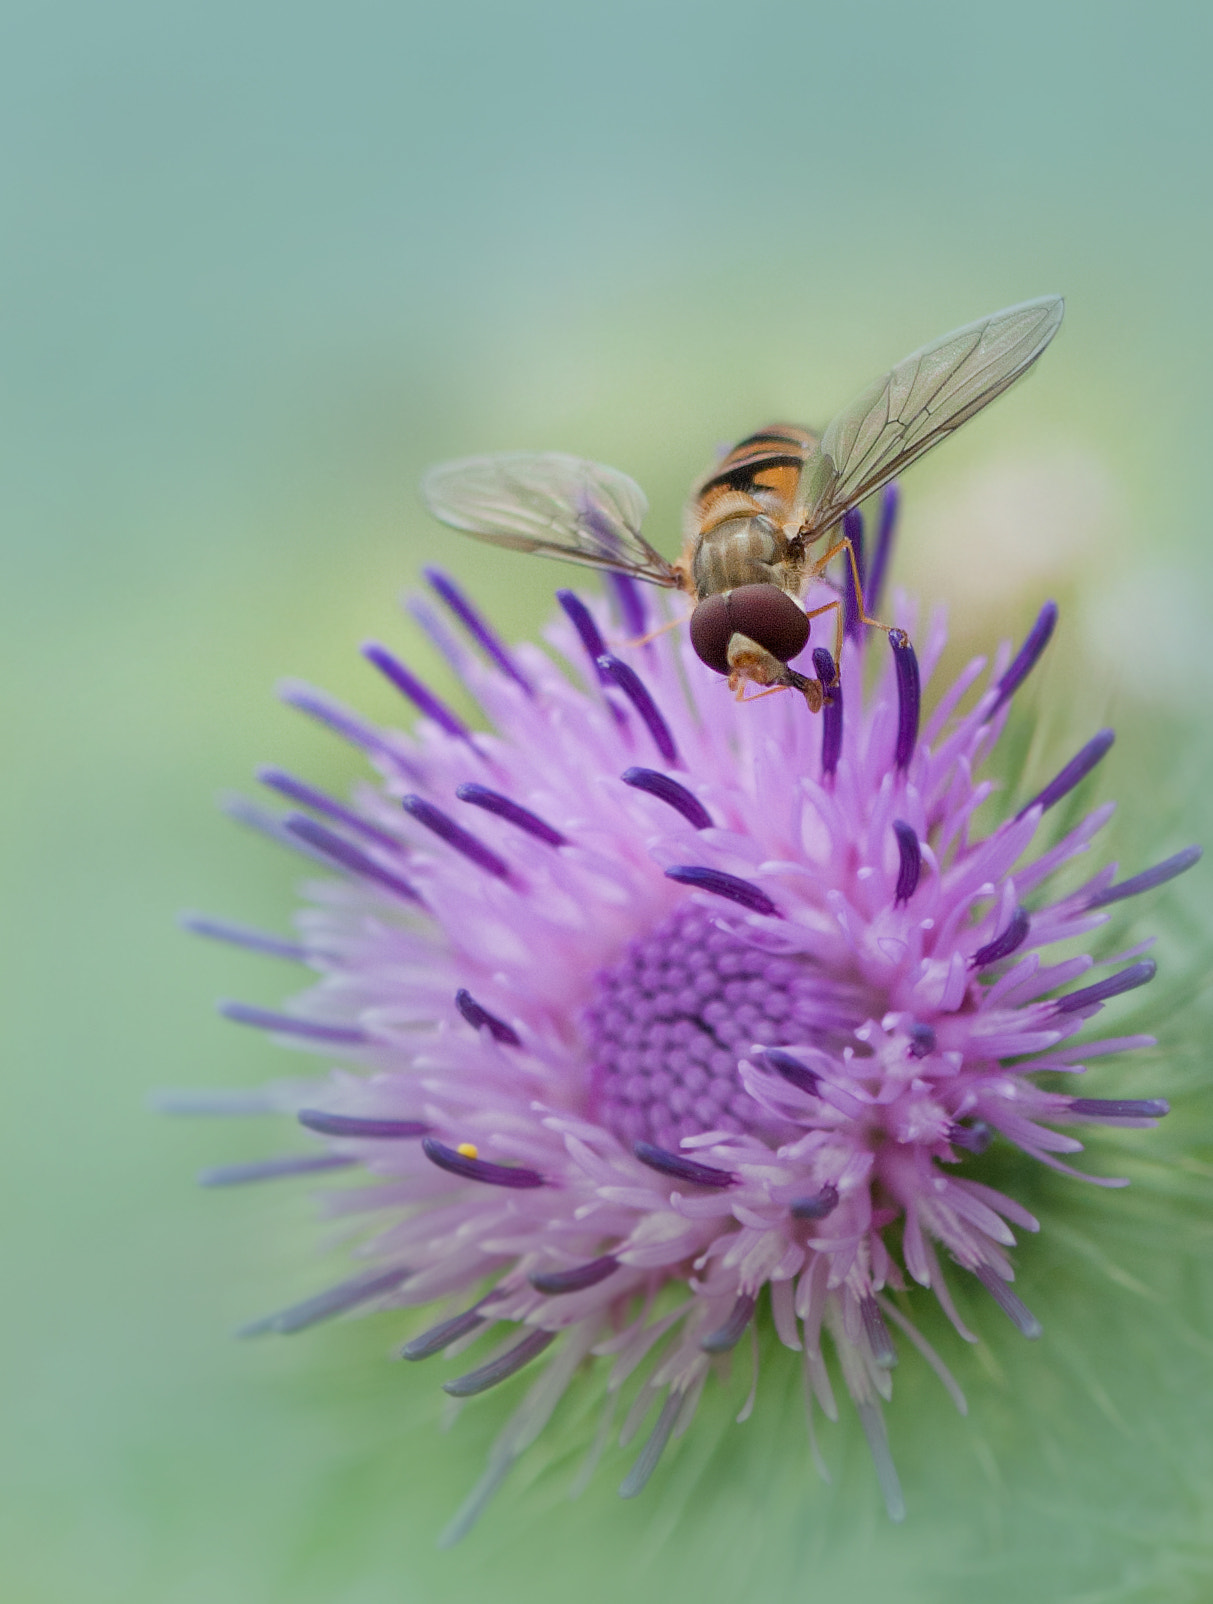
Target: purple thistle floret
{"x": 644, "y": 1056}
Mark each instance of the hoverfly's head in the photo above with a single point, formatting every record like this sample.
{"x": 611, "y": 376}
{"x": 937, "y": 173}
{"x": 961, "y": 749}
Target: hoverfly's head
{"x": 763, "y": 615}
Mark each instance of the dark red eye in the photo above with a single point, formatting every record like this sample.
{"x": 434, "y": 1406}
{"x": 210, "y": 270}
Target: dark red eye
{"x": 711, "y": 632}
{"x": 764, "y": 613}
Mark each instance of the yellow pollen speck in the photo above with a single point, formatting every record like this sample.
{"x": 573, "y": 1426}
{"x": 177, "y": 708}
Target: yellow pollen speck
{"x": 468, "y": 1150}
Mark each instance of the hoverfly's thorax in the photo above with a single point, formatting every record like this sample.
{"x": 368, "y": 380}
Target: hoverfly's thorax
{"x": 742, "y": 549}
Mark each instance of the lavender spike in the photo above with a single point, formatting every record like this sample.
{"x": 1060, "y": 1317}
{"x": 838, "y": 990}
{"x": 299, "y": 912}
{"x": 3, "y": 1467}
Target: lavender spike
{"x": 731, "y": 1332}
{"x": 646, "y": 1461}
{"x": 479, "y": 1018}
{"x": 630, "y": 601}
{"x": 1028, "y": 655}
{"x": 463, "y": 841}
{"x": 340, "y": 721}
{"x": 502, "y": 1368}
{"x": 238, "y": 936}
{"x": 731, "y": 886}
{"x": 817, "y": 1206}
{"x": 440, "y": 1336}
{"x": 1148, "y": 879}
{"x": 485, "y": 637}
{"x": 910, "y": 866}
{"x": 1118, "y": 1108}
{"x": 309, "y": 797}
{"x": 326, "y": 1124}
{"x": 1011, "y": 1305}
{"x": 792, "y": 1070}
{"x": 633, "y": 687}
{"x": 522, "y": 818}
{"x": 582, "y": 620}
{"x": 1135, "y": 975}
{"x": 346, "y": 855}
{"x": 885, "y": 529}
{"x": 407, "y": 683}
{"x": 1003, "y": 945}
{"x": 831, "y": 711}
{"x": 335, "y": 1300}
{"x": 879, "y": 1341}
{"x": 852, "y": 529}
{"x": 555, "y": 1283}
{"x": 909, "y": 695}
{"x": 1076, "y": 770}
{"x": 680, "y": 1168}
{"x": 518, "y": 1178}
{"x": 666, "y": 789}
{"x": 293, "y": 1025}
{"x": 274, "y": 1169}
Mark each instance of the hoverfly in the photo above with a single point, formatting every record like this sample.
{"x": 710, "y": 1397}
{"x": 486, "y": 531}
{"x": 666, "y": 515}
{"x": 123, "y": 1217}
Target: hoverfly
{"x": 751, "y": 523}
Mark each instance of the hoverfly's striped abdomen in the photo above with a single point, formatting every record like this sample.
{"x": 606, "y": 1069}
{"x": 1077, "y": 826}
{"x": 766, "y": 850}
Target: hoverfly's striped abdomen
{"x": 739, "y": 515}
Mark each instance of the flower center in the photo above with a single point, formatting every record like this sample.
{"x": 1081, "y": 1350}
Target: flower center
{"x": 670, "y": 1022}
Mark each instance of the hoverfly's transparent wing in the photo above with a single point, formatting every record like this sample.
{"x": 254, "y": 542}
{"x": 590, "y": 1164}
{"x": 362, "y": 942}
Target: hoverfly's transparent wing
{"x": 547, "y": 502}
{"x": 920, "y": 402}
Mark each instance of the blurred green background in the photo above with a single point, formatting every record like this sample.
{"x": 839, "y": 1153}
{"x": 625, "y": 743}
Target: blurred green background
{"x": 259, "y": 265}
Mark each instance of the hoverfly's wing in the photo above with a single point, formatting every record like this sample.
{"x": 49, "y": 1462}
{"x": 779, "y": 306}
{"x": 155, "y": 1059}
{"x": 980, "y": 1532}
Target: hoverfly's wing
{"x": 920, "y": 402}
{"x": 547, "y": 502}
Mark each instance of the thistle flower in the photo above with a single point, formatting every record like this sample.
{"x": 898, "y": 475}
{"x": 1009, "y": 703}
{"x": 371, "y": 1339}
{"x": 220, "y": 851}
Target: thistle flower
{"x": 648, "y": 1004}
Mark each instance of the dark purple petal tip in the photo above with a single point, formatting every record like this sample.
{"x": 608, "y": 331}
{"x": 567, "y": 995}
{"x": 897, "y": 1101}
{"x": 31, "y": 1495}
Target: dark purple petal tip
{"x": 910, "y": 865}
{"x": 922, "y": 1040}
{"x": 1118, "y": 1108}
{"x": 485, "y": 637}
{"x": 455, "y": 836}
{"x": 852, "y": 528}
{"x": 325, "y": 1305}
{"x": 1135, "y": 975}
{"x": 909, "y": 696}
{"x": 879, "y": 1341}
{"x": 479, "y": 1018}
{"x": 667, "y": 790}
{"x": 680, "y": 1168}
{"x": 1006, "y": 942}
{"x": 620, "y": 674}
{"x": 555, "y": 1283}
{"x": 274, "y": 1169}
{"x": 479, "y": 1169}
{"x": 974, "y": 1137}
{"x": 343, "y": 854}
{"x": 1075, "y": 771}
{"x": 831, "y": 711}
{"x": 326, "y": 1124}
{"x": 1028, "y": 655}
{"x": 1148, "y": 878}
{"x": 890, "y": 502}
{"x": 817, "y": 1205}
{"x": 440, "y": 1336}
{"x": 407, "y": 683}
{"x": 731, "y": 1332}
{"x": 480, "y": 796}
{"x": 292, "y": 1025}
{"x": 1009, "y": 1302}
{"x": 502, "y": 1368}
{"x": 791, "y": 1069}
{"x": 582, "y": 620}
{"x": 731, "y": 886}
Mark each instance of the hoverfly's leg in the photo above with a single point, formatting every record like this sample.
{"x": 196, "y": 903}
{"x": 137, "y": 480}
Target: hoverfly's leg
{"x": 643, "y": 640}
{"x": 838, "y": 625}
{"x": 845, "y": 545}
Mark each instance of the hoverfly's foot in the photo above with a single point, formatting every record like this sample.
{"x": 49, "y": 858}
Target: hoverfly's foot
{"x": 812, "y": 690}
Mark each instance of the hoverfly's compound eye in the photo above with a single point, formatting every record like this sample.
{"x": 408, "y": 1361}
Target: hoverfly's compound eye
{"x": 763, "y": 613}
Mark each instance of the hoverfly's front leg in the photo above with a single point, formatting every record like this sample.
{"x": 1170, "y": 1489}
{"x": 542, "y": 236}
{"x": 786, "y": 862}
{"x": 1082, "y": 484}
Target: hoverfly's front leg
{"x": 845, "y": 545}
